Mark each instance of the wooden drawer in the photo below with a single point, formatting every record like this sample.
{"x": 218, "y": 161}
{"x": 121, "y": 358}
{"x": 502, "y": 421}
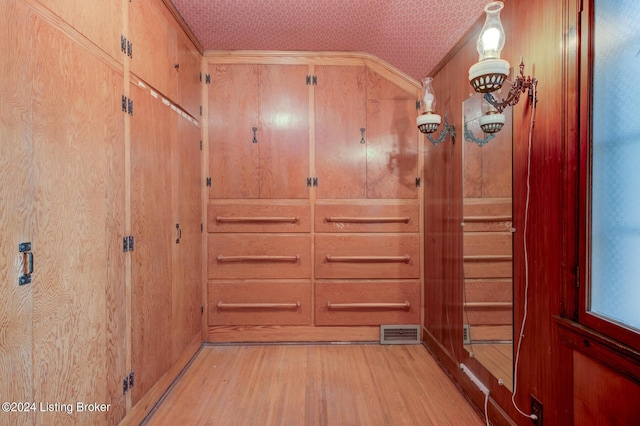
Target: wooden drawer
{"x": 259, "y": 256}
{"x": 258, "y": 218}
{"x": 255, "y": 302}
{"x": 367, "y": 256}
{"x": 332, "y": 217}
{"x": 367, "y": 302}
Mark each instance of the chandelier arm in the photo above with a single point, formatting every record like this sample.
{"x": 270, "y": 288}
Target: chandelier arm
{"x": 470, "y": 137}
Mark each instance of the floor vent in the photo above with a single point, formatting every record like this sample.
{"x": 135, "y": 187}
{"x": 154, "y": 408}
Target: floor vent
{"x": 399, "y": 334}
{"x": 466, "y": 334}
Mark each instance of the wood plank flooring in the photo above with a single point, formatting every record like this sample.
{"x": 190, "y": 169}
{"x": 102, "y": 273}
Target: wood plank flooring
{"x": 497, "y": 358}
{"x": 315, "y": 385}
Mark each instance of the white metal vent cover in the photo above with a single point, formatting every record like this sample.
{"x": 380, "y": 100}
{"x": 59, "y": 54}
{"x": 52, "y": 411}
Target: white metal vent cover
{"x": 400, "y": 335}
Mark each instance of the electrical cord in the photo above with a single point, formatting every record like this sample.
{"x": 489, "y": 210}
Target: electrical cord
{"x": 526, "y": 259}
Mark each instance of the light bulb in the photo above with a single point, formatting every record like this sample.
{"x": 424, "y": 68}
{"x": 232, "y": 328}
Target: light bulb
{"x": 428, "y": 96}
{"x": 428, "y": 101}
{"x": 491, "y": 39}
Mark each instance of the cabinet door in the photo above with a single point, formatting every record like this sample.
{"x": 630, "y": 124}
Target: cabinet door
{"x": 16, "y": 207}
{"x": 78, "y": 313}
{"x": 392, "y": 149}
{"x": 233, "y": 113}
{"x": 340, "y": 114}
{"x": 153, "y": 32}
{"x": 101, "y": 22}
{"x": 189, "y": 86}
{"x": 283, "y": 131}
{"x": 187, "y": 262}
{"x": 153, "y": 129}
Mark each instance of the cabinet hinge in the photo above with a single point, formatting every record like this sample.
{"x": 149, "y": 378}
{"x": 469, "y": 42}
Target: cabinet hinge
{"x": 208, "y": 79}
{"x": 124, "y": 103}
{"x": 309, "y": 182}
{"x": 209, "y": 181}
{"x": 315, "y": 181}
{"x": 418, "y": 182}
{"x": 129, "y": 49}
{"x": 200, "y": 110}
{"x": 201, "y": 310}
{"x": 130, "y": 106}
{"x": 314, "y": 80}
{"x": 127, "y": 382}
{"x": 417, "y": 105}
{"x": 311, "y": 79}
{"x": 123, "y": 44}
{"x": 127, "y": 243}
{"x": 200, "y": 145}
{"x": 200, "y": 76}
{"x": 308, "y": 80}
{"x": 201, "y": 228}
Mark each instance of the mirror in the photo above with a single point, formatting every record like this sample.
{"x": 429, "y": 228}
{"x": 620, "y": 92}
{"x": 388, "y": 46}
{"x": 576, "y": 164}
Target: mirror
{"x": 487, "y": 242}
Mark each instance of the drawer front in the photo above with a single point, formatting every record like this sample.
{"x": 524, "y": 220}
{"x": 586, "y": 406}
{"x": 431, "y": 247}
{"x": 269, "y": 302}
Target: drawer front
{"x": 254, "y": 302}
{"x": 367, "y": 302}
{"x": 367, "y": 218}
{"x": 258, "y": 218}
{"x": 259, "y": 256}
{"x": 367, "y": 256}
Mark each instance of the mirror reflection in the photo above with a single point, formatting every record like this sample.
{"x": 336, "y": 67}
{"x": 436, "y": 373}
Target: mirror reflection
{"x": 487, "y": 241}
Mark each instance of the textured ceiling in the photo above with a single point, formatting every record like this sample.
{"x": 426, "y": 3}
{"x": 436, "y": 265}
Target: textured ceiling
{"x": 412, "y": 35}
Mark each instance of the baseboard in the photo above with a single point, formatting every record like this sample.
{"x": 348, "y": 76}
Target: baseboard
{"x": 254, "y": 334}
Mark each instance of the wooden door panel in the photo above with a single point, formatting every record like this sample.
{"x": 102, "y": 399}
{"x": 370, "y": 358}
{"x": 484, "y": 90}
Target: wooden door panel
{"x": 283, "y": 131}
{"x": 189, "y": 85}
{"x": 101, "y": 23}
{"x": 78, "y": 315}
{"x": 340, "y": 113}
{"x": 187, "y": 262}
{"x": 233, "y": 112}
{"x": 153, "y": 32}
{"x": 152, "y": 223}
{"x": 16, "y": 208}
{"x": 392, "y": 149}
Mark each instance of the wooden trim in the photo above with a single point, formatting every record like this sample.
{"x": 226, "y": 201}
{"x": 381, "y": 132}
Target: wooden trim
{"x": 615, "y": 355}
{"x": 138, "y": 413}
{"x": 405, "y": 305}
{"x": 298, "y": 334}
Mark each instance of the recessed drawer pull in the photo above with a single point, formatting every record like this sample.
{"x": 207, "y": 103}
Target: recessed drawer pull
{"x": 346, "y": 219}
{"x": 258, "y": 258}
{"x": 487, "y": 219}
{"x": 223, "y": 219}
{"x": 405, "y": 258}
{"x": 222, "y": 305}
{"x": 405, "y": 305}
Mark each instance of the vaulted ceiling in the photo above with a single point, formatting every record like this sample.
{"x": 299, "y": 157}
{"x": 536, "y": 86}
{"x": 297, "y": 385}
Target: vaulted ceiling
{"x": 412, "y": 35}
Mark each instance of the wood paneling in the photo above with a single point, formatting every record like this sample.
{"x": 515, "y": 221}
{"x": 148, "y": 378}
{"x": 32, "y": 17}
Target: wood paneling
{"x": 186, "y": 291}
{"x": 340, "y": 113}
{"x": 233, "y": 93}
{"x": 102, "y": 23}
{"x": 78, "y": 156}
{"x": 379, "y": 87}
{"x": 283, "y": 131}
{"x": 154, "y": 34}
{"x": 153, "y": 129}
{"x": 392, "y": 149}
{"x": 189, "y": 92}
{"x": 16, "y": 209}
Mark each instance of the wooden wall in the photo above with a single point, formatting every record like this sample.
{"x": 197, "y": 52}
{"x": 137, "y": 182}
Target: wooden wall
{"x": 544, "y": 34}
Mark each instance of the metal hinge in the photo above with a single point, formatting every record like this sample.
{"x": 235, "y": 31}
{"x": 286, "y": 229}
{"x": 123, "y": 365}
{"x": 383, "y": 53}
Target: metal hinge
{"x": 417, "y": 105}
{"x": 209, "y": 181}
{"x": 315, "y": 181}
{"x": 312, "y": 181}
{"x": 200, "y": 76}
{"x": 312, "y": 79}
{"x": 201, "y": 310}
{"x": 200, "y": 145}
{"x": 123, "y": 44}
{"x": 127, "y": 105}
{"x": 418, "y": 182}
{"x": 201, "y": 110}
{"x": 201, "y": 228}
{"x": 207, "y": 79}
{"x": 127, "y": 243}
{"x": 127, "y": 382}
{"x": 129, "y": 49}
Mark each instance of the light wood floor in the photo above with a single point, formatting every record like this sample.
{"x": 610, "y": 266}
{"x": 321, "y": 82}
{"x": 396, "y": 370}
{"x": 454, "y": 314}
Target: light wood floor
{"x": 315, "y": 385}
{"x": 497, "y": 358}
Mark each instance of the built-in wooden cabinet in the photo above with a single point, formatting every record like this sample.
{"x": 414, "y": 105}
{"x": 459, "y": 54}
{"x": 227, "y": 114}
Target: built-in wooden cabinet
{"x": 88, "y": 160}
{"x": 307, "y": 205}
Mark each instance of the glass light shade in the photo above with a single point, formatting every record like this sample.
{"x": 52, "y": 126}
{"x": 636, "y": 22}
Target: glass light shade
{"x": 491, "y": 38}
{"x": 490, "y": 71}
{"x": 428, "y": 121}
